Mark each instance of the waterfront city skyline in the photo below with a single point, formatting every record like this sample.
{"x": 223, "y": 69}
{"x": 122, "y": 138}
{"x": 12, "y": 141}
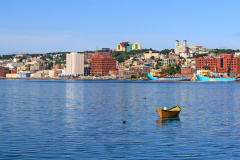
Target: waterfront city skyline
{"x": 52, "y": 26}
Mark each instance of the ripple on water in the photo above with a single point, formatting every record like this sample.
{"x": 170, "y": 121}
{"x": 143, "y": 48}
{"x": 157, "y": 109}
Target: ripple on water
{"x": 83, "y": 119}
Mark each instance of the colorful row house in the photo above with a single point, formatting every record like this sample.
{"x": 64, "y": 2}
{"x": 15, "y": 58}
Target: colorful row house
{"x": 127, "y": 46}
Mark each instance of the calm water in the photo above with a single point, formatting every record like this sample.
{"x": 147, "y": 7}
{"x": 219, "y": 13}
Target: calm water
{"x": 50, "y": 119}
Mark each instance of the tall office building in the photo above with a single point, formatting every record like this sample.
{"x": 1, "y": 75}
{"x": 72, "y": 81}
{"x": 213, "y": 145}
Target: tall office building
{"x": 102, "y": 64}
{"x": 75, "y": 63}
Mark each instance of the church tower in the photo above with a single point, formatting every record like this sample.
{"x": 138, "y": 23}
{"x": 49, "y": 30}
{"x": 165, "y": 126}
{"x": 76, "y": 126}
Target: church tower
{"x": 96, "y": 51}
{"x": 185, "y": 45}
{"x": 176, "y": 47}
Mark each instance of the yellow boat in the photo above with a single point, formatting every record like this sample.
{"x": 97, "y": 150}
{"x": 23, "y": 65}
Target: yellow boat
{"x": 169, "y": 113}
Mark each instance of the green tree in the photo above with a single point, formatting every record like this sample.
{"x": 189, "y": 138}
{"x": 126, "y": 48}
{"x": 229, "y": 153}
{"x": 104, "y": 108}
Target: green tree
{"x": 199, "y": 55}
{"x": 49, "y": 57}
{"x": 6, "y": 56}
{"x": 159, "y": 64}
{"x": 171, "y": 71}
{"x": 49, "y": 65}
{"x": 58, "y": 61}
{"x": 178, "y": 68}
{"x": 121, "y": 56}
{"x": 133, "y": 77}
{"x": 135, "y": 59}
{"x": 166, "y": 51}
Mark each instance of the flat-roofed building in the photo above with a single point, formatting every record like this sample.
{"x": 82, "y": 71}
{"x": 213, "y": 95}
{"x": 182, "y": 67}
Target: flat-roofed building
{"x": 186, "y": 70}
{"x": 11, "y": 75}
{"x": 104, "y": 51}
{"x": 141, "y": 68}
{"x": 151, "y": 53}
{"x": 102, "y": 64}
{"x": 75, "y": 64}
{"x": 220, "y": 64}
{"x": 2, "y": 72}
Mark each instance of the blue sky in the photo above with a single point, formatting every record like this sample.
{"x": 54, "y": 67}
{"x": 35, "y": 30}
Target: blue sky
{"x": 34, "y": 26}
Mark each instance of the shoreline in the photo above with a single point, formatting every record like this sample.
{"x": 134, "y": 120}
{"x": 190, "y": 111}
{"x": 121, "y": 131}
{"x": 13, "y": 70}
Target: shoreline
{"x": 78, "y": 79}
{"x": 99, "y": 79}
{"x": 87, "y": 78}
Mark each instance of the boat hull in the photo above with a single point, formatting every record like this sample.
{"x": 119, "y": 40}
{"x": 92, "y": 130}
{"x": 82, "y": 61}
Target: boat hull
{"x": 167, "y": 114}
{"x": 168, "y": 79}
{"x": 207, "y": 79}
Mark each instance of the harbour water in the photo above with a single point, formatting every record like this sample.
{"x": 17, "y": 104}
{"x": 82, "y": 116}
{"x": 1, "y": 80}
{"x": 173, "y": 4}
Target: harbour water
{"x": 58, "y": 119}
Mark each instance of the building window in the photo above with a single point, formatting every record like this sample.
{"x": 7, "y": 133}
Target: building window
{"x": 221, "y": 62}
{"x": 118, "y": 46}
{"x": 136, "y": 46}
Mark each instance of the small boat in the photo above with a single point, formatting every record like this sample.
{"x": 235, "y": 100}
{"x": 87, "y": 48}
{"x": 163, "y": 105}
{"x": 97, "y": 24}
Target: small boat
{"x": 169, "y": 113}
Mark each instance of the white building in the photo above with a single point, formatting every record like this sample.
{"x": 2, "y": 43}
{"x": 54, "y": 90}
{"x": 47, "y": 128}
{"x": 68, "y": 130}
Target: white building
{"x": 150, "y": 53}
{"x": 184, "y": 48}
{"x": 236, "y": 54}
{"x": 186, "y": 54}
{"x": 167, "y": 61}
{"x": 75, "y": 63}
{"x": 14, "y": 65}
{"x": 180, "y": 48}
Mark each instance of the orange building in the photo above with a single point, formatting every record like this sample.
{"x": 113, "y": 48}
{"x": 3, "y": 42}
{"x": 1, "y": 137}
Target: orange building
{"x": 186, "y": 70}
{"x": 102, "y": 64}
{"x": 2, "y": 72}
{"x": 221, "y": 64}
{"x": 56, "y": 66}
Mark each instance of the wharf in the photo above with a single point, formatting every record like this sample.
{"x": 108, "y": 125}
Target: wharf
{"x": 82, "y": 78}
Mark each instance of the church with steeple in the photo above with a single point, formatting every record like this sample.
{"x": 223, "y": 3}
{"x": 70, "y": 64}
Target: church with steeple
{"x": 96, "y": 51}
{"x": 180, "y": 48}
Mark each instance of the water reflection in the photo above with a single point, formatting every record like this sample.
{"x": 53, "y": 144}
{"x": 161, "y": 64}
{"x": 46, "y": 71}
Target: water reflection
{"x": 74, "y": 103}
{"x": 165, "y": 122}
{"x": 72, "y": 119}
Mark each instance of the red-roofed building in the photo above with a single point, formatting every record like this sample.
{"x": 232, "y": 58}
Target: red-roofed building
{"x": 127, "y": 46}
{"x": 186, "y": 54}
{"x": 123, "y": 43}
{"x": 200, "y": 47}
{"x": 122, "y": 46}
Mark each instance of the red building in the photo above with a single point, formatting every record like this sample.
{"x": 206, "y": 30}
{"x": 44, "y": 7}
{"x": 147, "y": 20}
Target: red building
{"x": 186, "y": 70}
{"x": 113, "y": 72}
{"x": 142, "y": 69}
{"x": 2, "y": 72}
{"x": 102, "y": 64}
{"x": 12, "y": 71}
{"x": 56, "y": 66}
{"x": 220, "y": 64}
